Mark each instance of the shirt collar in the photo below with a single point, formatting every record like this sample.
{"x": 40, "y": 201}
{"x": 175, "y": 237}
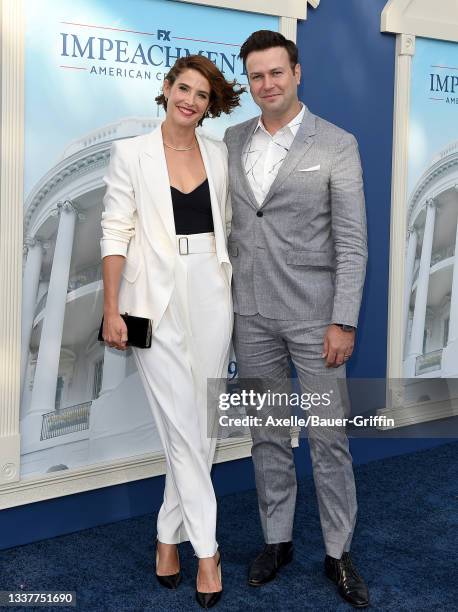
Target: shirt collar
{"x": 293, "y": 125}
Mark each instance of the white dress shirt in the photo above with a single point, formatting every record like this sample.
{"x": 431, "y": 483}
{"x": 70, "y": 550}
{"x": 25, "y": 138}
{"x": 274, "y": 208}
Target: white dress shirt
{"x": 264, "y": 154}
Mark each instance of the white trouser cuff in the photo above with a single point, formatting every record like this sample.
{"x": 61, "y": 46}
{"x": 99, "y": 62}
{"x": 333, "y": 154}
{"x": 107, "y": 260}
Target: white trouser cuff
{"x": 201, "y": 554}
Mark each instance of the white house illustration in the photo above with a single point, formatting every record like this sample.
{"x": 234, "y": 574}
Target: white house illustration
{"x": 431, "y": 289}
{"x": 81, "y": 402}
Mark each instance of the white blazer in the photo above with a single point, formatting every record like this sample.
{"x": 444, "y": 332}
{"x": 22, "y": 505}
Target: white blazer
{"x": 138, "y": 221}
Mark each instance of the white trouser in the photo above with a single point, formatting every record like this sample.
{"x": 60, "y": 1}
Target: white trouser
{"x": 190, "y": 345}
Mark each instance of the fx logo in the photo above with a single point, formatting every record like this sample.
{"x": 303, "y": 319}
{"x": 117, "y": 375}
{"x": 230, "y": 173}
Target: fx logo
{"x": 163, "y": 35}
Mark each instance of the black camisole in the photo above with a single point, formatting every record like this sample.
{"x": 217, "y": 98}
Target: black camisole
{"x": 192, "y": 211}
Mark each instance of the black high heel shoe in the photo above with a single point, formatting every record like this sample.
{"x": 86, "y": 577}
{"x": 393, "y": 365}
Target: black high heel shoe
{"x": 208, "y": 600}
{"x": 170, "y": 582}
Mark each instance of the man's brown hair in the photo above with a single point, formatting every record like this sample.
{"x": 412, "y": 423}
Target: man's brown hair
{"x": 266, "y": 39}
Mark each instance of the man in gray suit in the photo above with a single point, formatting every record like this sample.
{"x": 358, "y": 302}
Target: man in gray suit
{"x": 298, "y": 251}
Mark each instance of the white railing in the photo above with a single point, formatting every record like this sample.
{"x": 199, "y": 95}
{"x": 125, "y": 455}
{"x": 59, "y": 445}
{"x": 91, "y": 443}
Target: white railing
{"x": 429, "y": 362}
{"x": 84, "y": 277}
{"x": 65, "y": 420}
{"x": 436, "y": 257}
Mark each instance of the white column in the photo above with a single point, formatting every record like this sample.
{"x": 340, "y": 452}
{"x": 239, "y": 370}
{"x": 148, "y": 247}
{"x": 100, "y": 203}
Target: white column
{"x": 114, "y": 369}
{"x": 405, "y": 51}
{"x": 450, "y": 353}
{"x": 45, "y": 382}
{"x": 11, "y": 237}
{"x": 30, "y": 283}
{"x": 410, "y": 262}
{"x": 453, "y": 327}
{"x": 421, "y": 298}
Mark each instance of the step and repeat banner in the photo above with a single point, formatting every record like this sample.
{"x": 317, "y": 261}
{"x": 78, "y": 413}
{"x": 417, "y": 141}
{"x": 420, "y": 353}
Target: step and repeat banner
{"x": 92, "y": 71}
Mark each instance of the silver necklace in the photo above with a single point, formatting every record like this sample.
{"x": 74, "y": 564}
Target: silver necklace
{"x": 180, "y": 148}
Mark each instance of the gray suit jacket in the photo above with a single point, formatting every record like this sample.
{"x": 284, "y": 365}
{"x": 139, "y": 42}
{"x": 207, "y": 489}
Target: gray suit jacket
{"x": 301, "y": 254}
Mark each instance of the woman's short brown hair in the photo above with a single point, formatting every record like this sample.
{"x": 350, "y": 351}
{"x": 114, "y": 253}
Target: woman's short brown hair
{"x": 224, "y": 96}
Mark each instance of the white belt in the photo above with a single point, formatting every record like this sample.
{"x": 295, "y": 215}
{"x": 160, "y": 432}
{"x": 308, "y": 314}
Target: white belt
{"x": 196, "y": 243}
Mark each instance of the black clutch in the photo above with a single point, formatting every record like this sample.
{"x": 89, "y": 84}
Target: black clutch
{"x": 139, "y": 331}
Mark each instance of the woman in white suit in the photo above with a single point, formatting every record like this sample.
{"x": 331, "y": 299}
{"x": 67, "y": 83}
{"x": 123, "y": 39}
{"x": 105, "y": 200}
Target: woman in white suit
{"x": 165, "y": 258}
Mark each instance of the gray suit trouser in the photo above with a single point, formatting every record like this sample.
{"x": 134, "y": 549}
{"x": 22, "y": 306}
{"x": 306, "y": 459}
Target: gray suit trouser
{"x": 262, "y": 347}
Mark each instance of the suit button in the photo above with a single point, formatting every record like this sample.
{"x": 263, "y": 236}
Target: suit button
{"x": 259, "y": 213}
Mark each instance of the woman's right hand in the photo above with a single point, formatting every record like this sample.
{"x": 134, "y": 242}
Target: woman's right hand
{"x": 115, "y": 331}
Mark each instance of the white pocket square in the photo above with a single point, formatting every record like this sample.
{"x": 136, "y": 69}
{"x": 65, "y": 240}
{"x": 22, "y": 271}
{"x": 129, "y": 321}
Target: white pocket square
{"x": 311, "y": 169}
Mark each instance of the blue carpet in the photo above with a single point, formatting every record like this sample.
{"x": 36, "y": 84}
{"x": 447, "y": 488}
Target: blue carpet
{"x": 405, "y": 546}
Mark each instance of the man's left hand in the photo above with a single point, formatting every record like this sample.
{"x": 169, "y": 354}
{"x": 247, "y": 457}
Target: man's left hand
{"x": 338, "y": 346}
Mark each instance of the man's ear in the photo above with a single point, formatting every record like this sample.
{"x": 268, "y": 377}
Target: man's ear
{"x": 297, "y": 73}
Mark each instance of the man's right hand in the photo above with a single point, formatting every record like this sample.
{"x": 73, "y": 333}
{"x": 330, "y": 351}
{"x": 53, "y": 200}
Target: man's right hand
{"x": 115, "y": 332}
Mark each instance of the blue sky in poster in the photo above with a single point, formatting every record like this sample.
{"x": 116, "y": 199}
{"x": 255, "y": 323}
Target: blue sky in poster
{"x": 63, "y": 104}
{"x": 433, "y": 123}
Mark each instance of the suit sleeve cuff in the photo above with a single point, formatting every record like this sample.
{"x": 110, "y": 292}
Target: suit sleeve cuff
{"x": 113, "y": 247}
{"x": 345, "y": 317}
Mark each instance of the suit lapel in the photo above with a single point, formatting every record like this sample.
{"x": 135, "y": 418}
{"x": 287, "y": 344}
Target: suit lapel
{"x": 244, "y": 139}
{"x": 301, "y": 144}
{"x": 211, "y": 173}
{"x": 156, "y": 177}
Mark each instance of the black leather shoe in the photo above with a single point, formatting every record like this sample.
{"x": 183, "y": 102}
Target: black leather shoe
{"x": 171, "y": 581}
{"x": 350, "y": 584}
{"x": 208, "y": 600}
{"x": 264, "y": 568}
